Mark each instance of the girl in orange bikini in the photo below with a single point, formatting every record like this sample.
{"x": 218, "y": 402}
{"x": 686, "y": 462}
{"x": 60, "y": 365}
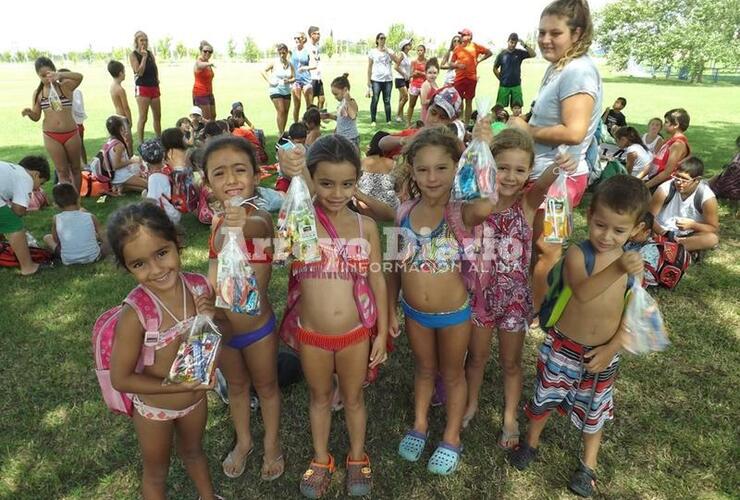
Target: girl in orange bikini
{"x": 61, "y": 137}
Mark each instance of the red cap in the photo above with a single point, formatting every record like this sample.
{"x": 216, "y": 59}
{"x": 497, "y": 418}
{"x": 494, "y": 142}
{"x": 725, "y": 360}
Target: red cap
{"x": 465, "y": 31}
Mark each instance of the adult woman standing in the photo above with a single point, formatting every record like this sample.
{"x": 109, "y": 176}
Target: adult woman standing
{"x": 203, "y": 86}
{"x": 380, "y": 77}
{"x": 147, "y": 84}
{"x": 300, "y": 59}
{"x": 403, "y": 76}
{"x": 566, "y": 111}
{"x": 445, "y": 64}
{"x": 53, "y": 97}
{"x": 280, "y": 80}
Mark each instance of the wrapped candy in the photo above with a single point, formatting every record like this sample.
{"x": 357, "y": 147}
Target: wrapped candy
{"x": 54, "y": 101}
{"x": 558, "y": 217}
{"x": 476, "y": 170}
{"x": 644, "y": 323}
{"x": 296, "y": 226}
{"x": 195, "y": 360}
{"x": 236, "y": 283}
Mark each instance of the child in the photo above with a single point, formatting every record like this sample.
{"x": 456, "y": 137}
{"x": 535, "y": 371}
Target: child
{"x": 75, "y": 233}
{"x": 297, "y": 134}
{"x": 516, "y": 109}
{"x": 429, "y": 86}
{"x": 144, "y": 242}
{"x": 117, "y": 92}
{"x": 159, "y": 187}
{"x": 237, "y": 109}
{"x": 613, "y": 117}
{"x": 250, "y": 357}
{"x": 312, "y": 119}
{"x": 435, "y": 301}
{"x": 418, "y": 76}
{"x": 346, "y": 115}
{"x": 127, "y": 170}
{"x": 196, "y": 119}
{"x": 579, "y": 358}
{"x": 499, "y": 280}
{"x": 323, "y": 322}
{"x": 16, "y": 184}
{"x": 643, "y": 243}
{"x": 652, "y": 139}
{"x": 175, "y": 148}
{"x": 500, "y": 118}
{"x": 685, "y": 208}
{"x": 186, "y": 126}
{"x": 237, "y": 122}
{"x": 636, "y": 154}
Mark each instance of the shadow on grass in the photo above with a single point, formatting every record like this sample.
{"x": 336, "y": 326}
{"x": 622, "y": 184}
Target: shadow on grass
{"x": 661, "y": 81}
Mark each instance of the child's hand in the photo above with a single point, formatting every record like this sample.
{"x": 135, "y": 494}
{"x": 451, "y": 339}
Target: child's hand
{"x": 685, "y": 224}
{"x": 631, "y": 263}
{"x": 599, "y": 358}
{"x": 482, "y": 130}
{"x": 566, "y": 163}
{"x": 205, "y": 305}
{"x": 235, "y": 216}
{"x": 393, "y": 328}
{"x": 378, "y": 355}
{"x": 197, "y": 386}
{"x": 292, "y": 161}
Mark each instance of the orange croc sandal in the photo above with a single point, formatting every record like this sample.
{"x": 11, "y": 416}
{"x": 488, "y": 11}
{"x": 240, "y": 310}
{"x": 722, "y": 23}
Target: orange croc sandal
{"x": 359, "y": 477}
{"x": 317, "y": 478}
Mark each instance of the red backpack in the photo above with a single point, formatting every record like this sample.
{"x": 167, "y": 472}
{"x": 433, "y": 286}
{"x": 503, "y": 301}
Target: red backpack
{"x": 8, "y": 258}
{"x": 673, "y": 261}
{"x": 184, "y": 193}
{"x": 150, "y": 316}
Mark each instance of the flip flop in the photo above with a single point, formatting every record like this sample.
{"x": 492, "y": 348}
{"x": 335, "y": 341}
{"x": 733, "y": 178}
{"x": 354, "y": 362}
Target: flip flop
{"x": 230, "y": 457}
{"x": 267, "y": 466}
{"x": 445, "y": 459}
{"x": 583, "y": 481}
{"x": 412, "y": 445}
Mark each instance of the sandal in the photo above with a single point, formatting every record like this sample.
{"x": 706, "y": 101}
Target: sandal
{"x": 583, "y": 481}
{"x": 230, "y": 458}
{"x": 505, "y": 439}
{"x": 522, "y": 455}
{"x": 317, "y": 478}
{"x": 445, "y": 459}
{"x": 359, "y": 477}
{"x": 412, "y": 445}
{"x": 279, "y": 467}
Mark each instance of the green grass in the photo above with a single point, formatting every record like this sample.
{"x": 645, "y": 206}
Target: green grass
{"x": 675, "y": 432}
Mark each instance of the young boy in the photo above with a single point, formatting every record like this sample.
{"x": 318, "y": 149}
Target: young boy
{"x": 613, "y": 117}
{"x": 685, "y": 208}
{"x": 159, "y": 186}
{"x": 585, "y": 342}
{"x": 117, "y": 92}
{"x": 16, "y": 184}
{"x": 75, "y": 233}
{"x": 643, "y": 243}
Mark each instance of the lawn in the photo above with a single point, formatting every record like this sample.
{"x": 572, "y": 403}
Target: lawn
{"x": 676, "y": 411}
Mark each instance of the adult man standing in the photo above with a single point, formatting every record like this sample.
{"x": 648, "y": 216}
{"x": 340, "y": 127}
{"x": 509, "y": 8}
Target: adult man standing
{"x": 465, "y": 60}
{"x": 316, "y": 83}
{"x": 508, "y": 70}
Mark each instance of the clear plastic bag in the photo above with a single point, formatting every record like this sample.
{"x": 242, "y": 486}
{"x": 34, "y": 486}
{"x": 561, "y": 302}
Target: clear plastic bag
{"x": 195, "y": 360}
{"x": 476, "y": 171}
{"x": 646, "y": 331}
{"x": 54, "y": 101}
{"x": 296, "y": 226}
{"x": 558, "y": 221}
{"x": 236, "y": 283}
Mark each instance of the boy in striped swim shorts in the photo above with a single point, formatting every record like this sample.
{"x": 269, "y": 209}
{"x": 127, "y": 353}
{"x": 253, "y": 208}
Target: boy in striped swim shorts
{"x": 578, "y": 360}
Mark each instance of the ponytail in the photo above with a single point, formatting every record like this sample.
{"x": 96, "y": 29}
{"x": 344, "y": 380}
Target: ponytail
{"x": 341, "y": 82}
{"x": 578, "y": 15}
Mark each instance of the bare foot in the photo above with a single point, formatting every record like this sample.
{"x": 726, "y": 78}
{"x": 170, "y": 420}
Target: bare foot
{"x": 509, "y": 436}
{"x": 31, "y": 270}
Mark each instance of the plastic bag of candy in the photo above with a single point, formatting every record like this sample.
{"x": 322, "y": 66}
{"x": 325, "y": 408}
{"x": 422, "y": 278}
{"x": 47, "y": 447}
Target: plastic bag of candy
{"x": 476, "y": 170}
{"x": 646, "y": 331}
{"x": 54, "y": 101}
{"x": 236, "y": 283}
{"x": 558, "y": 215}
{"x": 195, "y": 360}
{"x": 296, "y": 226}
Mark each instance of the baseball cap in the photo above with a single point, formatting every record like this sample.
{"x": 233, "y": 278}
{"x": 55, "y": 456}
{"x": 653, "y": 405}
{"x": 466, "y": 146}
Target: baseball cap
{"x": 465, "y": 31}
{"x": 514, "y": 36}
{"x": 196, "y": 111}
{"x": 403, "y": 43}
{"x": 449, "y": 100}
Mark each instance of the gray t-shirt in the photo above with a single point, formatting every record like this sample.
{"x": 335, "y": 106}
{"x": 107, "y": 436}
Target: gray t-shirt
{"x": 580, "y": 76}
{"x": 77, "y": 238}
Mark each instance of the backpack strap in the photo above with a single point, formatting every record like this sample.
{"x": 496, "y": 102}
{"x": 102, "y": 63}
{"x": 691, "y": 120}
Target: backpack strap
{"x": 669, "y": 196}
{"x": 150, "y": 317}
{"x": 405, "y": 209}
{"x": 589, "y": 255}
{"x": 197, "y": 283}
{"x": 698, "y": 196}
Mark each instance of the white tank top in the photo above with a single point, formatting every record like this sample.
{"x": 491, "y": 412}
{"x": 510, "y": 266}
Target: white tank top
{"x": 76, "y": 232}
{"x": 651, "y": 146}
{"x": 644, "y": 158}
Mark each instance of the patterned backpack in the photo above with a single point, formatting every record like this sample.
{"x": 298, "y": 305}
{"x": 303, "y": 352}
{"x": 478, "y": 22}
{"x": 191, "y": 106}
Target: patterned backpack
{"x": 673, "y": 261}
{"x": 184, "y": 193}
{"x": 145, "y": 305}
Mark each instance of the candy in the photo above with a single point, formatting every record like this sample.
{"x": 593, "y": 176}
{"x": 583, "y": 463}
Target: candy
{"x": 195, "y": 360}
{"x": 236, "y": 283}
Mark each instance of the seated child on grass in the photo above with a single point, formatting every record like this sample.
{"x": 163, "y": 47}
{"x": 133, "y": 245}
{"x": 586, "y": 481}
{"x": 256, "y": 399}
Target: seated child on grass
{"x": 75, "y": 233}
{"x": 643, "y": 243}
{"x": 159, "y": 186}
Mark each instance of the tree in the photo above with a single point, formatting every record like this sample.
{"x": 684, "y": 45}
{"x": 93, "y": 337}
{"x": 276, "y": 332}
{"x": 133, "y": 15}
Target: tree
{"x": 163, "y": 48}
{"x": 251, "y": 52}
{"x": 327, "y": 46}
{"x": 688, "y": 34}
{"x": 181, "y": 50}
{"x": 6, "y": 57}
{"x": 231, "y": 49}
{"x": 396, "y": 33}
{"x": 32, "y": 54}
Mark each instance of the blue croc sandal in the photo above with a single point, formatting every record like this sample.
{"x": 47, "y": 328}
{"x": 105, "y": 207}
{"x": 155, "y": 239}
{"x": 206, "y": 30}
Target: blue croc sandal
{"x": 445, "y": 459}
{"x": 412, "y": 445}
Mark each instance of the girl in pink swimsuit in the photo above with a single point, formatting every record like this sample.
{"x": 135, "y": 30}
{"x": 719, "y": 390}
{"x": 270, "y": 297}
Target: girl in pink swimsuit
{"x": 497, "y": 272}
{"x": 145, "y": 242}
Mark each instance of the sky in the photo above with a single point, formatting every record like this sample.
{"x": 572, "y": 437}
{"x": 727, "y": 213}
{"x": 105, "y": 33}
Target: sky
{"x": 102, "y": 25}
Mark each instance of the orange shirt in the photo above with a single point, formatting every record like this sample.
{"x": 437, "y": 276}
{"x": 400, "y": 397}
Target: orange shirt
{"x": 203, "y": 82}
{"x": 467, "y": 55}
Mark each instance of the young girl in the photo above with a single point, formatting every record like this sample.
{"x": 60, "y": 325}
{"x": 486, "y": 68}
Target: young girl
{"x": 499, "y": 277}
{"x": 429, "y": 86}
{"x": 346, "y": 116}
{"x": 402, "y": 76}
{"x": 322, "y": 318}
{"x": 435, "y": 300}
{"x": 637, "y": 155}
{"x": 127, "y": 176}
{"x": 175, "y": 148}
{"x": 250, "y": 357}
{"x": 312, "y": 119}
{"x": 75, "y": 233}
{"x": 652, "y": 139}
{"x": 418, "y": 76}
{"x": 144, "y": 242}
{"x": 159, "y": 186}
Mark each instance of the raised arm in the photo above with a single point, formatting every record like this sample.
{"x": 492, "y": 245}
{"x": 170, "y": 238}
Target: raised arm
{"x": 586, "y": 288}
{"x": 68, "y": 80}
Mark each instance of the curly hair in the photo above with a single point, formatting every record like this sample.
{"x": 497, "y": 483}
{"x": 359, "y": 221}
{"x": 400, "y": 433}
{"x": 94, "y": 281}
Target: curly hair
{"x": 578, "y": 14}
{"x": 434, "y": 136}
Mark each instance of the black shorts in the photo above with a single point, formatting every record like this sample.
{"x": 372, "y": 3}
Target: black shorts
{"x": 280, "y": 96}
{"x": 401, "y": 83}
{"x": 318, "y": 88}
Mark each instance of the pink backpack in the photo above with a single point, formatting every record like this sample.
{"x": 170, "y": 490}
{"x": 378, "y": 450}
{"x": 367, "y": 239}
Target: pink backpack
{"x": 143, "y": 303}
